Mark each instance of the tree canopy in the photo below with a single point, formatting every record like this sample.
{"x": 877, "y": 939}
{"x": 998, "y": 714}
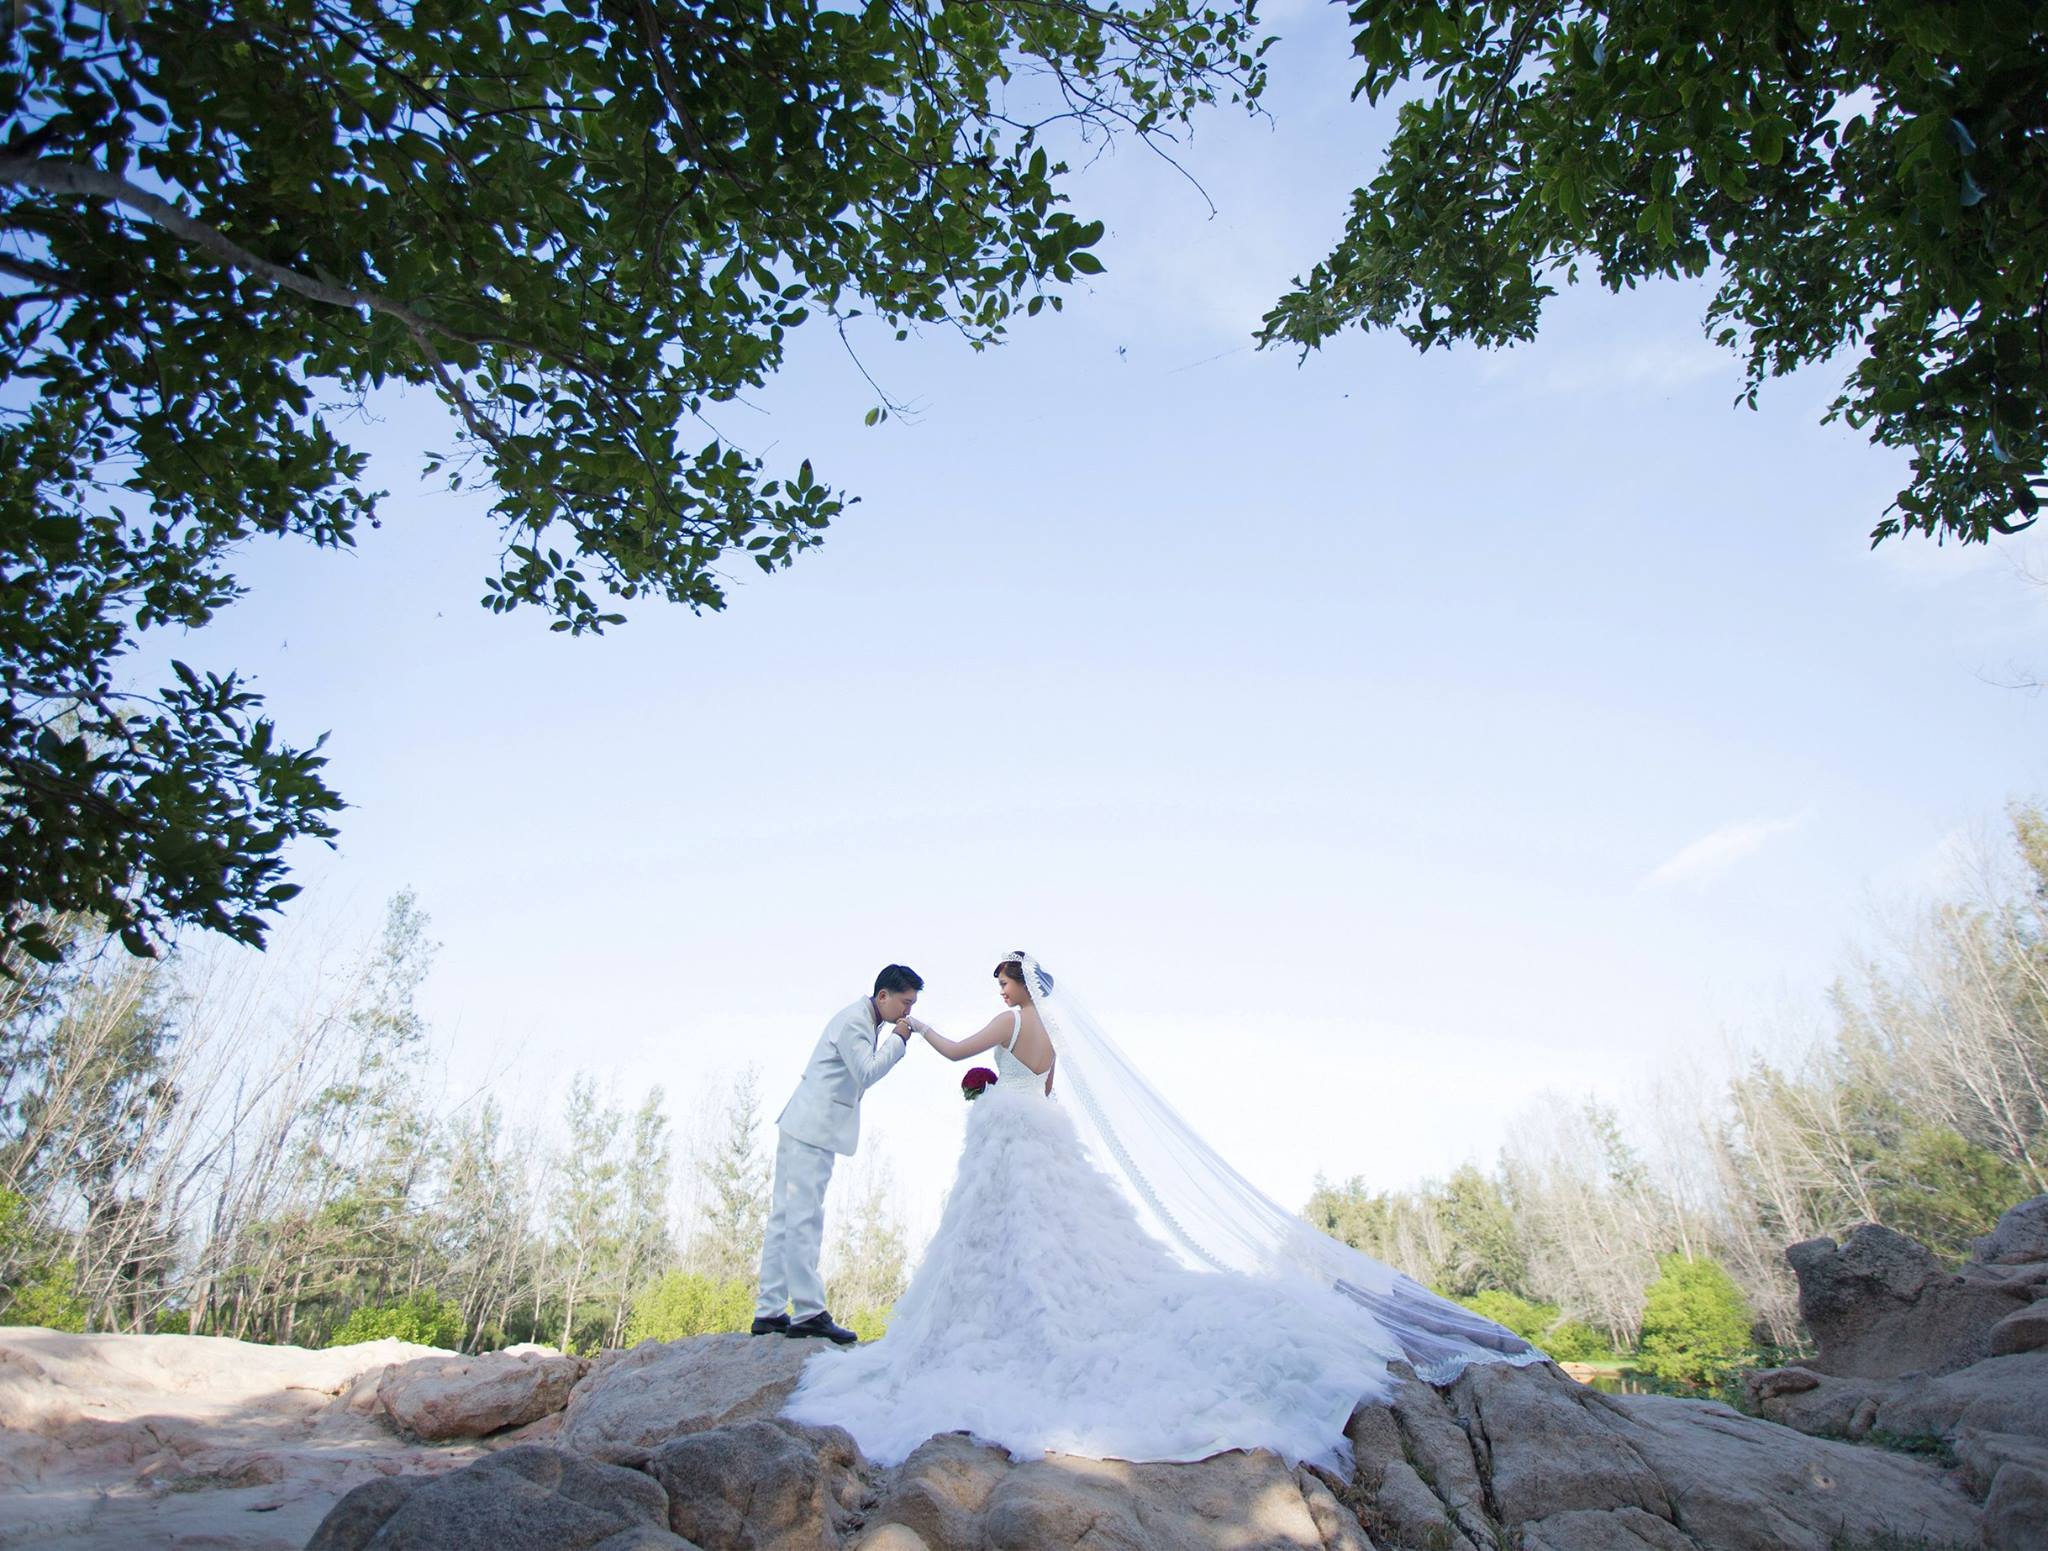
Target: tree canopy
{"x": 581, "y": 224}
{"x": 1860, "y": 178}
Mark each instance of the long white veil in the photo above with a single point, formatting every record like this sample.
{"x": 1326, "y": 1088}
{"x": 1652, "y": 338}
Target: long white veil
{"x": 1213, "y": 1218}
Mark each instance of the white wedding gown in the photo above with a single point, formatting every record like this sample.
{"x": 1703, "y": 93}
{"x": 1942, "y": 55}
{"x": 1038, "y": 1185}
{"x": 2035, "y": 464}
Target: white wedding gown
{"x": 1044, "y": 1317}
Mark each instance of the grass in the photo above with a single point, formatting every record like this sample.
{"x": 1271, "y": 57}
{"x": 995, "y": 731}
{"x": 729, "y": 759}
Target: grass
{"x": 1930, "y": 1446}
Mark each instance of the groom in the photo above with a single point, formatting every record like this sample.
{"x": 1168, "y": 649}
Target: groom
{"x": 822, "y": 1119}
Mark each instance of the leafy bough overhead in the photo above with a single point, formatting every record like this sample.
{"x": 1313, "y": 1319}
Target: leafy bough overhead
{"x": 1860, "y": 176}
{"x": 582, "y": 224}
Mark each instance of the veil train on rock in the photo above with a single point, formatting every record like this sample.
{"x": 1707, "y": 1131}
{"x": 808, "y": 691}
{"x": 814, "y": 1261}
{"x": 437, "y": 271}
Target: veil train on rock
{"x": 1213, "y": 1218}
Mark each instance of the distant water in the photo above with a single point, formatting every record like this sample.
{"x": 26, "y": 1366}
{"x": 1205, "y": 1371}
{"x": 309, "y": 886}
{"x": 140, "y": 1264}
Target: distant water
{"x": 1631, "y": 1381}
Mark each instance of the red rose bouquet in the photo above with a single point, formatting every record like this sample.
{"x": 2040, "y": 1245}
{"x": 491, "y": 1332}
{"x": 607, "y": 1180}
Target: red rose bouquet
{"x": 976, "y": 1080}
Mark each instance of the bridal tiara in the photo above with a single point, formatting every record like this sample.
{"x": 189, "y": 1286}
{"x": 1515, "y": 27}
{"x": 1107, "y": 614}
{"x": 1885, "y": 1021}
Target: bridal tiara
{"x": 1035, "y": 972}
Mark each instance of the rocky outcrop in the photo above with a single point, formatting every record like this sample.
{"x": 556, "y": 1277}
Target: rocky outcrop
{"x": 1504, "y": 1458}
{"x": 1555, "y": 1463}
{"x": 529, "y": 1497}
{"x": 1952, "y": 1365}
{"x": 2020, "y": 1239}
{"x": 955, "y": 1493}
{"x": 122, "y": 1441}
{"x": 762, "y": 1486}
{"x": 633, "y": 1402}
{"x": 2016, "y": 1512}
{"x": 680, "y": 1446}
{"x": 1879, "y": 1305}
{"x": 442, "y": 1397}
{"x": 2023, "y": 1330}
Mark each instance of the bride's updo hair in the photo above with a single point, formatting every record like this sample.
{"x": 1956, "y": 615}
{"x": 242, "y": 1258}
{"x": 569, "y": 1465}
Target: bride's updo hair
{"x": 1013, "y": 969}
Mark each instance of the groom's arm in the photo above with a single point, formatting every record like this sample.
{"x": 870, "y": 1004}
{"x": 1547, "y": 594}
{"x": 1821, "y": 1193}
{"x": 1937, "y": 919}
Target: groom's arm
{"x": 869, "y": 1065}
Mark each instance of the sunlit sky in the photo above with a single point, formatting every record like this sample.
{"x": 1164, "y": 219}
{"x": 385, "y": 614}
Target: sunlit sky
{"x": 1378, "y": 742}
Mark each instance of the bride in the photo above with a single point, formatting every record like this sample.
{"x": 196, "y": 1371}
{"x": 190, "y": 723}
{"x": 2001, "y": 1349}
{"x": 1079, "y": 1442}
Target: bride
{"x": 1103, "y": 1284}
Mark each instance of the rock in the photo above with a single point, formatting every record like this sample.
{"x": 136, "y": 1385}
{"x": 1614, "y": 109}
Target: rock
{"x": 1832, "y": 1408}
{"x": 50, "y": 1380}
{"x": 123, "y": 1441}
{"x": 1436, "y": 1446}
{"x": 1399, "y": 1508}
{"x": 941, "y": 1490}
{"x": 1739, "y": 1483}
{"x": 1623, "y": 1529}
{"x": 1880, "y": 1305}
{"x": 2023, "y": 1330}
{"x": 2016, "y": 1512}
{"x": 630, "y": 1403}
{"x": 2021, "y": 1236}
{"x": 1339, "y": 1527}
{"x": 954, "y": 1493}
{"x": 1770, "y": 1383}
{"x": 893, "y": 1537}
{"x": 761, "y": 1486}
{"x": 1999, "y": 1395}
{"x": 357, "y": 1517}
{"x": 1550, "y": 1446}
{"x": 436, "y": 1398}
{"x": 1241, "y": 1501}
{"x": 525, "y": 1499}
{"x": 1982, "y": 1455}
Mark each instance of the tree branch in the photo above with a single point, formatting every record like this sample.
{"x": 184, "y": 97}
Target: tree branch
{"x": 55, "y": 177}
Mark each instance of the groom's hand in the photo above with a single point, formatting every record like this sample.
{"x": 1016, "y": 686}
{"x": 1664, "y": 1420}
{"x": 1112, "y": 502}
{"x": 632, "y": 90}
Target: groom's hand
{"x": 903, "y": 1030}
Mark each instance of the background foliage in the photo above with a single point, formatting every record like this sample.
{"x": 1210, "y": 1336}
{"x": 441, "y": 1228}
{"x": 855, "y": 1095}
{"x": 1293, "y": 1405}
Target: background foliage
{"x": 580, "y": 225}
{"x": 1863, "y": 181}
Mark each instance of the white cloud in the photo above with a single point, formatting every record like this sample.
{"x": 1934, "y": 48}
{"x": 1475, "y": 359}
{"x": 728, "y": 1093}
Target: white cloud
{"x": 1713, "y": 854}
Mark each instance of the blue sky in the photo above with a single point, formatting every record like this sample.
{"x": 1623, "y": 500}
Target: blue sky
{"x": 1378, "y": 741}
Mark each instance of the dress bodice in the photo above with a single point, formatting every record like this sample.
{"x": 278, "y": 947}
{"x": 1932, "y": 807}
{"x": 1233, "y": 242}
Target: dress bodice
{"x": 1011, "y": 1072}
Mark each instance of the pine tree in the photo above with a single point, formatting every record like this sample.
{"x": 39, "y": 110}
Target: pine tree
{"x": 736, "y": 1176}
{"x": 586, "y": 1198}
{"x": 644, "y": 1243}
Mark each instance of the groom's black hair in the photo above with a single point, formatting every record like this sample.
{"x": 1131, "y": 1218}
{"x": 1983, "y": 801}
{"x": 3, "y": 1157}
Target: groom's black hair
{"x": 898, "y": 977}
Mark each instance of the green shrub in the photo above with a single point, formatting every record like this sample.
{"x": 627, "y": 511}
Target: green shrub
{"x": 425, "y": 1318}
{"x": 1527, "y": 1320}
{"x": 1696, "y": 1323}
{"x": 868, "y": 1324}
{"x": 1568, "y": 1340}
{"x": 37, "y": 1285}
{"x": 684, "y": 1303}
{"x": 46, "y": 1297}
{"x": 1574, "y": 1341}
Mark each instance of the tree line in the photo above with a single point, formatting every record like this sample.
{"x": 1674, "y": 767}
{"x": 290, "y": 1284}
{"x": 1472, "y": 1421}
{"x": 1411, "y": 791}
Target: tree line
{"x": 1923, "y": 1106}
{"x": 210, "y": 1146}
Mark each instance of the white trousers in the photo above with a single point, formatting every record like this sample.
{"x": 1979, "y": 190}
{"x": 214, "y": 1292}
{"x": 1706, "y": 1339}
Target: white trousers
{"x": 796, "y": 1230}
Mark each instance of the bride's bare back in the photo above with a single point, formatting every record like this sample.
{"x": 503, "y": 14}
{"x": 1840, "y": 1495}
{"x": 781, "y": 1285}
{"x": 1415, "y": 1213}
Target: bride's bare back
{"x": 1018, "y": 1029}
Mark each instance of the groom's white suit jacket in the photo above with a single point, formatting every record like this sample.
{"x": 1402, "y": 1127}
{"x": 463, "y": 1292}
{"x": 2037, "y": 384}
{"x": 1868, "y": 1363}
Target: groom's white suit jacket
{"x": 853, "y": 1054}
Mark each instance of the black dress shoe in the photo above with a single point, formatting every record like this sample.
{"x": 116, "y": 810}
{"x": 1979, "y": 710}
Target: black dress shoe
{"x": 820, "y": 1324}
{"x": 769, "y": 1325}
